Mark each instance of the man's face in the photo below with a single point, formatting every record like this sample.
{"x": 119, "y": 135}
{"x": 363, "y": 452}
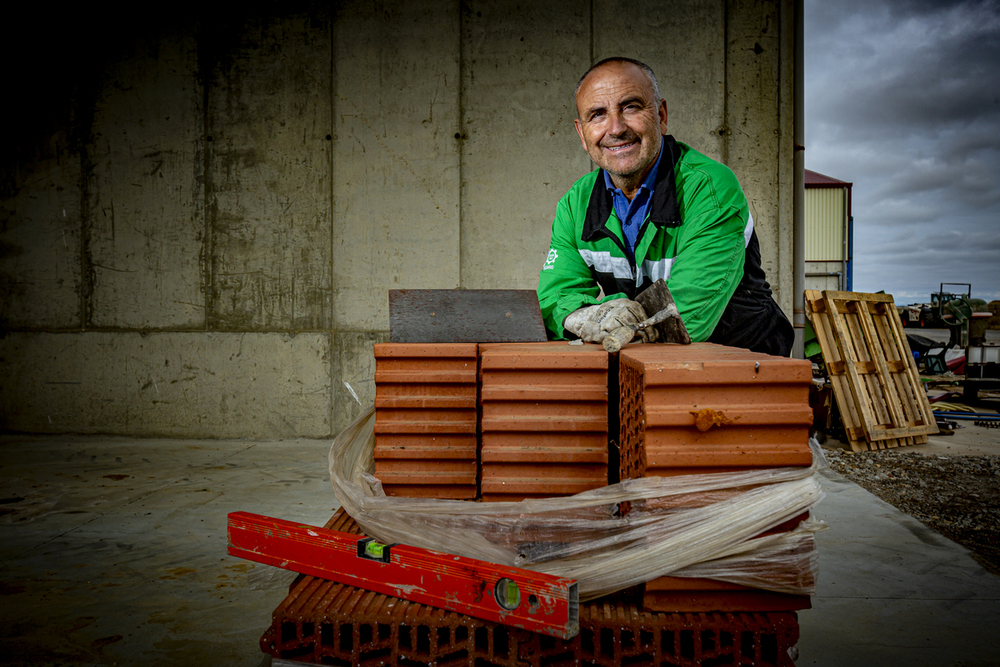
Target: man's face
{"x": 620, "y": 124}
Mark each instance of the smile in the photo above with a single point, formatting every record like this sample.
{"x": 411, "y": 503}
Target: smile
{"x": 615, "y": 149}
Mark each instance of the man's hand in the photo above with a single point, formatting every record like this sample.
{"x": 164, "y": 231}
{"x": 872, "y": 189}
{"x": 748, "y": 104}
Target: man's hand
{"x": 593, "y": 323}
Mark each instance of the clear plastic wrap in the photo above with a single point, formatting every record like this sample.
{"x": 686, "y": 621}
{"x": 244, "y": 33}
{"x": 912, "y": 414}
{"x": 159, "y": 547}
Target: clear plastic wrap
{"x": 686, "y": 526}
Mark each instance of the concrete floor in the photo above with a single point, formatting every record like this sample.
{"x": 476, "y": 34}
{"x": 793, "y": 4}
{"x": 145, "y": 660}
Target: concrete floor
{"x": 893, "y": 592}
{"x": 113, "y": 551}
{"x": 117, "y": 554}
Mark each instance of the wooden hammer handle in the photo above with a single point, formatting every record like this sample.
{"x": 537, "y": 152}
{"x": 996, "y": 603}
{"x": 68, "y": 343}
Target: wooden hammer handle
{"x": 620, "y": 337}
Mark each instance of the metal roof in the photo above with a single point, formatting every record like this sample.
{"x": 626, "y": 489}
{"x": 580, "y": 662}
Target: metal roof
{"x": 814, "y": 179}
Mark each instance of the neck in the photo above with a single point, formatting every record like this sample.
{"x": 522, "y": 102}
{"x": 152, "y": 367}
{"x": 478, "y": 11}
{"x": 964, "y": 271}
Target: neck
{"x": 629, "y": 185}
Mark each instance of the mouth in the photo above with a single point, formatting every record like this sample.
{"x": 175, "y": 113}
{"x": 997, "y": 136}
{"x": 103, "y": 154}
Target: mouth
{"x": 620, "y": 147}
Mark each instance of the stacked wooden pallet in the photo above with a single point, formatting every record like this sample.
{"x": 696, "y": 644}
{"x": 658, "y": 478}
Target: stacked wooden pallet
{"x": 871, "y": 367}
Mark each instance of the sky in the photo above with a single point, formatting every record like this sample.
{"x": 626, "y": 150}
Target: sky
{"x": 903, "y": 101}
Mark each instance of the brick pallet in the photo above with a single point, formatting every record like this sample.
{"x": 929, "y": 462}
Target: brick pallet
{"x": 705, "y": 408}
{"x": 322, "y": 622}
{"x": 544, "y": 419}
{"x": 426, "y": 419}
{"x": 544, "y": 425}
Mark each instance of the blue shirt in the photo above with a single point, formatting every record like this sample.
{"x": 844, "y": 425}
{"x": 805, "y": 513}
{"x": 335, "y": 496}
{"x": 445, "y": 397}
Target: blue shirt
{"x": 633, "y": 213}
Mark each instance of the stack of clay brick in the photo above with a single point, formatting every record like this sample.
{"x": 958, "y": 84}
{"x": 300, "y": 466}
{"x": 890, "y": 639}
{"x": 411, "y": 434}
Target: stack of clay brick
{"x": 706, "y": 408}
{"x": 543, "y": 429}
{"x": 544, "y": 419}
{"x": 323, "y": 622}
{"x": 426, "y": 403}
{"x": 508, "y": 421}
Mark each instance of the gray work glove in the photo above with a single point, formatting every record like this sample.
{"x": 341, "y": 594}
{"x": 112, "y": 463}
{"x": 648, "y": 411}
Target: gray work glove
{"x": 592, "y": 323}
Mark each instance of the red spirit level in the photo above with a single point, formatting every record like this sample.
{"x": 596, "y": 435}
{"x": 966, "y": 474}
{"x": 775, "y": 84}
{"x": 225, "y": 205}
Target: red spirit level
{"x": 509, "y": 595}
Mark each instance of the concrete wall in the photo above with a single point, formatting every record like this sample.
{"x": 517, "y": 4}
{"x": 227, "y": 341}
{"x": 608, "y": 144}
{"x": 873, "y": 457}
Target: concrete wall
{"x": 201, "y": 216}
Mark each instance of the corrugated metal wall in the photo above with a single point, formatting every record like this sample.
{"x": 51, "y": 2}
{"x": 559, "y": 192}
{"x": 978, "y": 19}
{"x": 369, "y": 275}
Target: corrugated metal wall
{"x": 825, "y": 223}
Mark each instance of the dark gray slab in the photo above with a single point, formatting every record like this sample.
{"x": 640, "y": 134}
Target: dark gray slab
{"x": 465, "y": 316}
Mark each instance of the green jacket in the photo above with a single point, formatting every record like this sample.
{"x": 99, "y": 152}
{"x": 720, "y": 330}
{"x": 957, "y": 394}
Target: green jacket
{"x": 698, "y": 236}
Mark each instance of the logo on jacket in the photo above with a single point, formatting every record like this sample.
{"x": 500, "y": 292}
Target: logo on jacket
{"x": 550, "y": 261}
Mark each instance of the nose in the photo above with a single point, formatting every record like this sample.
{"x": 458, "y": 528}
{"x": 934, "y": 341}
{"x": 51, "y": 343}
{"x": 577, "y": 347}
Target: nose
{"x": 616, "y": 123}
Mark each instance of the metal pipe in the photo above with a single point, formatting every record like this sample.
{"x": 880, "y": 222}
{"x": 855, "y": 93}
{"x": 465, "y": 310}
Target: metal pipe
{"x": 840, "y": 277}
{"x": 850, "y": 249}
{"x": 985, "y": 416}
{"x": 845, "y": 251}
{"x": 799, "y": 190}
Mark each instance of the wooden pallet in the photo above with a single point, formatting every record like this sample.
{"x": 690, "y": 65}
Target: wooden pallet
{"x": 874, "y": 377}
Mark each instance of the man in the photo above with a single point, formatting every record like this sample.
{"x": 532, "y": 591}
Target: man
{"x": 655, "y": 208}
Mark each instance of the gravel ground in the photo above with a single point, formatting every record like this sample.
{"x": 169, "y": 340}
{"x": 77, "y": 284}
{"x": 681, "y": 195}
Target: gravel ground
{"x": 958, "y": 496}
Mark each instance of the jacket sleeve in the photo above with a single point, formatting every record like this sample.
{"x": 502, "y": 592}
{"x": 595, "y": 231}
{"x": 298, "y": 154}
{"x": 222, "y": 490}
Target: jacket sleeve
{"x": 711, "y": 250}
{"x": 565, "y": 282}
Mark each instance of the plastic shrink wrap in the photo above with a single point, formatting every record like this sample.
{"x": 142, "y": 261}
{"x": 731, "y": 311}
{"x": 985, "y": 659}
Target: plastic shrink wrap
{"x": 705, "y": 525}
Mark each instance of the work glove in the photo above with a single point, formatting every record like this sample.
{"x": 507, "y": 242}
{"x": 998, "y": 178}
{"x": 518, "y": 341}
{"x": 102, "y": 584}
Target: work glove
{"x": 593, "y": 323}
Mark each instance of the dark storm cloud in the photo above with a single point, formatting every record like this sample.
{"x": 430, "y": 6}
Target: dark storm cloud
{"x": 973, "y": 244}
{"x": 976, "y": 140}
{"x": 909, "y": 266}
{"x": 835, "y": 12}
{"x": 903, "y": 100}
{"x": 971, "y": 181}
{"x": 886, "y": 74}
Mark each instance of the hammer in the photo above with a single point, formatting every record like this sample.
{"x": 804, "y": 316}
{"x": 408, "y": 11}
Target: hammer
{"x": 658, "y": 299}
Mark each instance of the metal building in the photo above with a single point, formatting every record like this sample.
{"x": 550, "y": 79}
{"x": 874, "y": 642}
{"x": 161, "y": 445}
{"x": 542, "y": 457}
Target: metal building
{"x": 829, "y": 233}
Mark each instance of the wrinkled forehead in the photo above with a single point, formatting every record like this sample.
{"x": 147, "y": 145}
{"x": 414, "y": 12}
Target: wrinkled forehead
{"x": 615, "y": 77}
{"x": 611, "y": 81}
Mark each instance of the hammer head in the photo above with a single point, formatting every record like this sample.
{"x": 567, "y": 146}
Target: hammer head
{"x": 657, "y": 298}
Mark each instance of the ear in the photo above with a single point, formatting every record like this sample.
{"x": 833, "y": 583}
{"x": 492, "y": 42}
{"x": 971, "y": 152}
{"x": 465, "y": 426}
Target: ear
{"x": 662, "y": 112}
{"x": 579, "y": 130}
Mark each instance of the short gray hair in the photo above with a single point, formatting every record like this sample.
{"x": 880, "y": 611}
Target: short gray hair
{"x": 622, "y": 59}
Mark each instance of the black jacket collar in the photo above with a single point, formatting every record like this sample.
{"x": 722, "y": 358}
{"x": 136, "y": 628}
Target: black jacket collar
{"x": 664, "y": 212}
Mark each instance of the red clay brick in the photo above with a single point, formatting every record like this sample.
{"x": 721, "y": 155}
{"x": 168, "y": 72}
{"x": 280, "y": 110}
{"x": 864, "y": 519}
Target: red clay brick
{"x": 418, "y": 390}
{"x": 684, "y": 594}
{"x": 422, "y": 446}
{"x": 544, "y": 419}
{"x": 540, "y": 447}
{"x": 415, "y": 427}
{"x": 409, "y": 471}
{"x": 322, "y": 622}
{"x": 426, "y": 350}
{"x": 679, "y": 594}
{"x": 399, "y": 420}
{"x": 426, "y": 419}
{"x": 688, "y": 595}
{"x": 420, "y": 376}
{"x": 760, "y": 406}
{"x": 540, "y": 422}
{"x": 705, "y": 408}
{"x": 427, "y": 489}
{"x": 583, "y": 389}
{"x": 426, "y": 402}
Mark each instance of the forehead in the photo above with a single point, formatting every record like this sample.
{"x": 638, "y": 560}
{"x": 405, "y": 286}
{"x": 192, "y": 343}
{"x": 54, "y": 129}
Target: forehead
{"x": 612, "y": 83}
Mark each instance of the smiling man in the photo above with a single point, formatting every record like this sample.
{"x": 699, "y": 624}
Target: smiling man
{"x": 655, "y": 208}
